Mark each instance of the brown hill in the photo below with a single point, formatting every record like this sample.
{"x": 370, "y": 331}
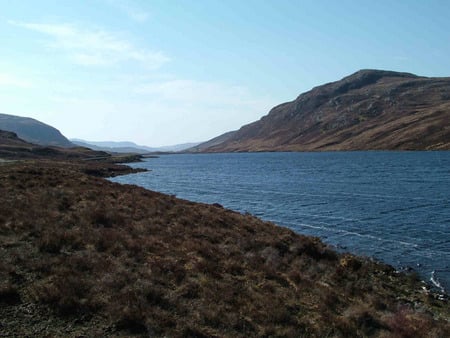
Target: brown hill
{"x": 370, "y": 109}
{"x": 10, "y": 139}
{"x": 14, "y": 148}
{"x": 34, "y": 131}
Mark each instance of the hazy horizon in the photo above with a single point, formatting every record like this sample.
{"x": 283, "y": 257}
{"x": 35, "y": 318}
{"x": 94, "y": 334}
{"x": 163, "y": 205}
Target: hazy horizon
{"x": 163, "y": 73}
{"x": 120, "y": 143}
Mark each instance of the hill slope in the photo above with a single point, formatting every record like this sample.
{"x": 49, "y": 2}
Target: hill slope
{"x": 371, "y": 109}
{"x": 14, "y": 148}
{"x": 213, "y": 142}
{"x": 34, "y": 131}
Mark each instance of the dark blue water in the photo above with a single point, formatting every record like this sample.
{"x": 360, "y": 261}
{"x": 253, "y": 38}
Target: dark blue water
{"x": 393, "y": 206}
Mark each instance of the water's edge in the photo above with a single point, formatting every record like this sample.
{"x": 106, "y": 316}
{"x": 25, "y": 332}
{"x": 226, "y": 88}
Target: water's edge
{"x": 315, "y": 194}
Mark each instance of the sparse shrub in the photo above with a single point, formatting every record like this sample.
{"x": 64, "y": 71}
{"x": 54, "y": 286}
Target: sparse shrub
{"x": 102, "y": 216}
{"x": 190, "y": 290}
{"x": 377, "y": 303}
{"x": 133, "y": 307}
{"x": 271, "y": 257}
{"x": 405, "y": 323}
{"x": 344, "y": 327}
{"x": 234, "y": 268}
{"x": 155, "y": 297}
{"x": 280, "y": 314}
{"x": 314, "y": 248}
{"x": 190, "y": 332}
{"x": 350, "y": 262}
{"x": 207, "y": 266}
{"x": 67, "y": 293}
{"x": 295, "y": 276}
{"x": 364, "y": 319}
{"x": 64, "y": 204}
{"x": 368, "y": 324}
{"x": 52, "y": 241}
{"x": 9, "y": 293}
{"x": 331, "y": 300}
{"x": 131, "y": 319}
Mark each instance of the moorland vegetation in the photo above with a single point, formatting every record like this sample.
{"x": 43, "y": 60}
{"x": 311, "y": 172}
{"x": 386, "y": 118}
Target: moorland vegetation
{"x": 83, "y": 256}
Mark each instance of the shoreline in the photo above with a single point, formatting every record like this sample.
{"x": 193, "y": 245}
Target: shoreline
{"x": 84, "y": 247}
{"x": 428, "y": 278}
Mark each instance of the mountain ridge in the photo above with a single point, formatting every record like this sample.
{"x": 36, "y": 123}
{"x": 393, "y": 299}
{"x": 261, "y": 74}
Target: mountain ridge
{"x": 367, "y": 110}
{"x": 127, "y": 146}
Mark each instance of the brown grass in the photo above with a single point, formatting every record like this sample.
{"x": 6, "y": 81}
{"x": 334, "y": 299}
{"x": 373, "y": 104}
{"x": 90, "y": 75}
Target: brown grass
{"x": 86, "y": 256}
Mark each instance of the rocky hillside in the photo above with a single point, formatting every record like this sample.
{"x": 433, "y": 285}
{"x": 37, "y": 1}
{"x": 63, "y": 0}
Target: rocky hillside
{"x": 34, "y": 131}
{"x": 370, "y": 109}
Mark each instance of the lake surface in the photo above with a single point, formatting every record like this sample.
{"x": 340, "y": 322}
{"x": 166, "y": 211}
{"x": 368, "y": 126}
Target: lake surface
{"x": 393, "y": 206}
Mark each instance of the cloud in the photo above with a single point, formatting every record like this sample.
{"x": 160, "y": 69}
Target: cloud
{"x": 199, "y": 110}
{"x": 95, "y": 47}
{"x": 196, "y": 92}
{"x": 9, "y": 80}
{"x": 137, "y": 16}
{"x": 133, "y": 12}
{"x": 164, "y": 112}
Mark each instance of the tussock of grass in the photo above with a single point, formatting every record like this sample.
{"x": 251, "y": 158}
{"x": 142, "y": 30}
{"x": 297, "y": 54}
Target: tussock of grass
{"x": 105, "y": 259}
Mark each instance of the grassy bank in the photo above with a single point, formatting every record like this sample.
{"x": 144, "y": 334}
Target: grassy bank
{"x": 85, "y": 256}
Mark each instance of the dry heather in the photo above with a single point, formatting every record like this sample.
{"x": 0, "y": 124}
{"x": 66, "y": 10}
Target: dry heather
{"x": 82, "y": 256}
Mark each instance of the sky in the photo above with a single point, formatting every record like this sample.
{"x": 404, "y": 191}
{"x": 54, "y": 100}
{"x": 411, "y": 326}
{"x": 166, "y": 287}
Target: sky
{"x": 166, "y": 72}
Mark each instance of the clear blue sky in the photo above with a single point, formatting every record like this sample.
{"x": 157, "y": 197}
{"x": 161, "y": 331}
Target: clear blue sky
{"x": 165, "y": 72}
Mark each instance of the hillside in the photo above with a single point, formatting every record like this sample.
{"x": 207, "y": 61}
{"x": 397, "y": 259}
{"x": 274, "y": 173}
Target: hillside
{"x": 10, "y": 139}
{"x": 82, "y": 256}
{"x": 12, "y": 148}
{"x": 371, "y": 109}
{"x": 213, "y": 142}
{"x": 34, "y": 131}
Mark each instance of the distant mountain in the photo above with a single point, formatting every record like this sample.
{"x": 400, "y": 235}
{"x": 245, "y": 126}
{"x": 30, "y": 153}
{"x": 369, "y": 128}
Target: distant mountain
{"x": 370, "y": 109}
{"x": 115, "y": 147}
{"x": 129, "y": 147}
{"x": 34, "y": 131}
